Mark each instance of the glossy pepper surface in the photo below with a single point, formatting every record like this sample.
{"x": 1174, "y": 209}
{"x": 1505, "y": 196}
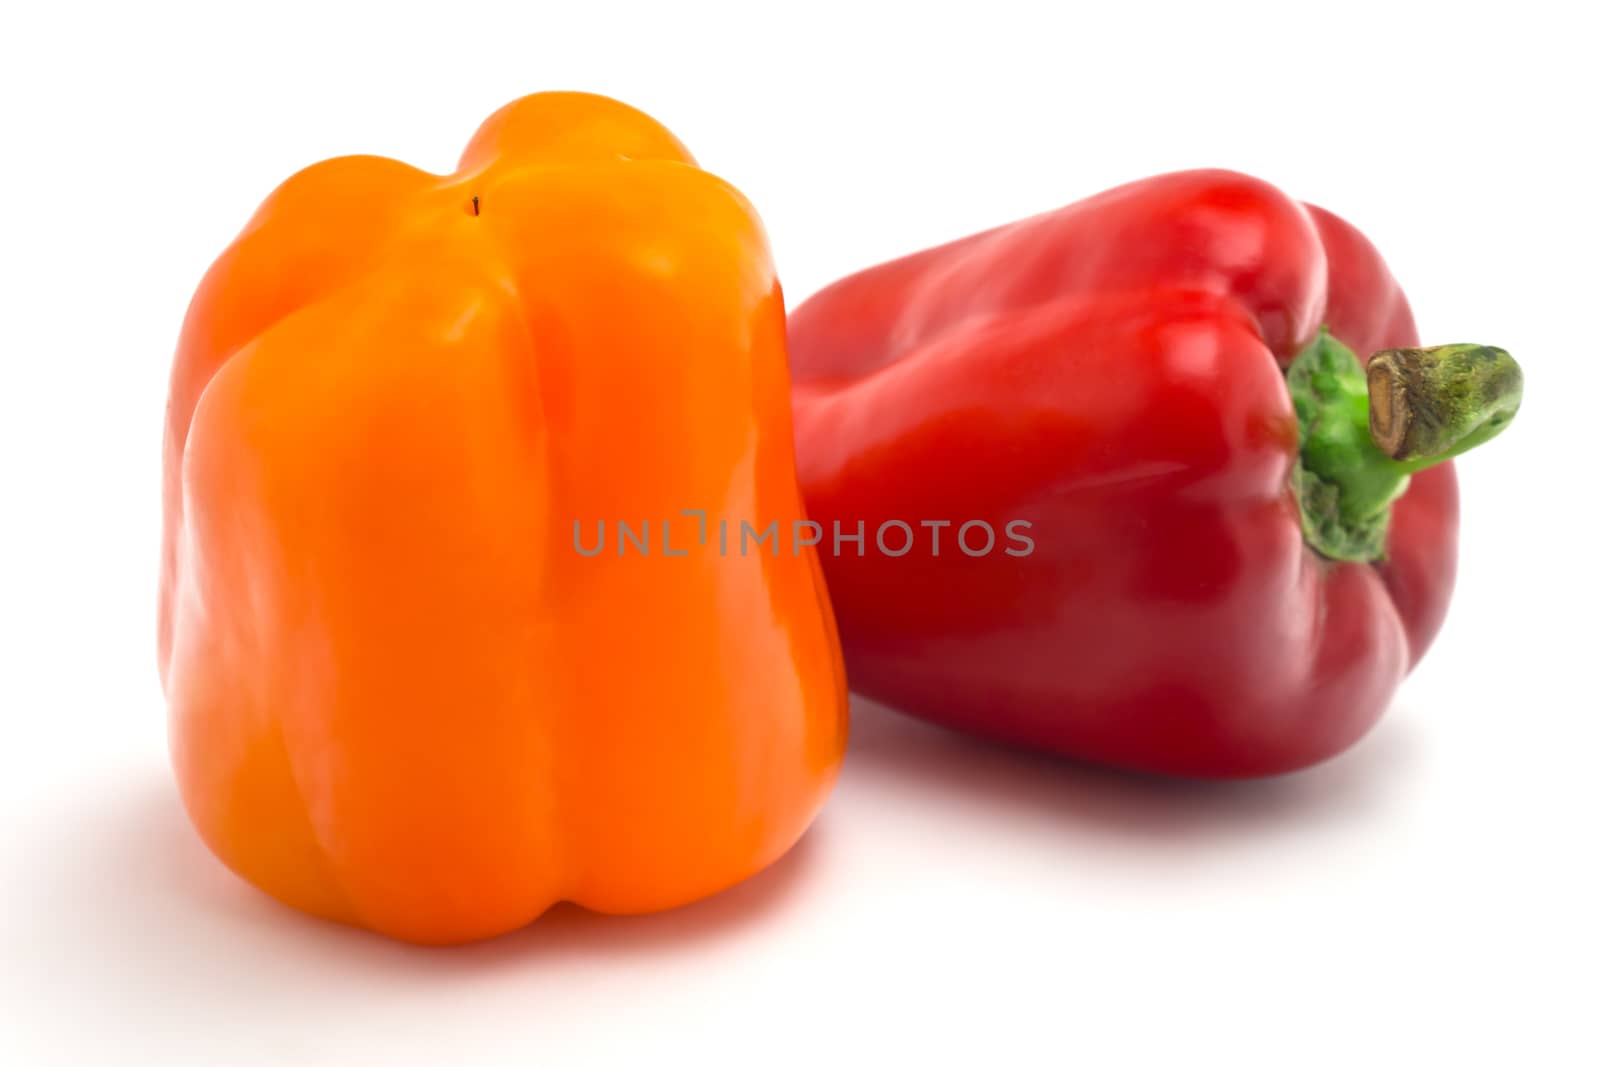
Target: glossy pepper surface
{"x": 1229, "y": 577}
{"x": 399, "y": 696}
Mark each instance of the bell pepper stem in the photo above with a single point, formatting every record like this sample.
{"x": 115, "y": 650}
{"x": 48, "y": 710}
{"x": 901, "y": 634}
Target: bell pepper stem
{"x": 1364, "y": 433}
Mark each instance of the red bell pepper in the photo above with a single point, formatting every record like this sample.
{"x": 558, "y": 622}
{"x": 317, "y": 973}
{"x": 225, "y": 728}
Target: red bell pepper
{"x": 1217, "y": 570}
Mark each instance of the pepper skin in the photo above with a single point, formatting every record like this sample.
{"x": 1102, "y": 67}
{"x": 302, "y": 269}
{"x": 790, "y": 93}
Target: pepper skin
{"x": 1113, "y": 373}
{"x": 399, "y": 697}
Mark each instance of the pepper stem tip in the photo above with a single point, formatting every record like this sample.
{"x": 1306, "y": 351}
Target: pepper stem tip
{"x": 1429, "y": 404}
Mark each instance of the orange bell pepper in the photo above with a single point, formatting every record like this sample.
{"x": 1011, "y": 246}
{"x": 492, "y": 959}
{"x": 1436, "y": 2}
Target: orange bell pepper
{"x": 399, "y": 698}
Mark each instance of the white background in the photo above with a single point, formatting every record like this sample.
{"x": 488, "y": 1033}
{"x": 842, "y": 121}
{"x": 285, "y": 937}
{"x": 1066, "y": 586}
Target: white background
{"x": 1430, "y": 896}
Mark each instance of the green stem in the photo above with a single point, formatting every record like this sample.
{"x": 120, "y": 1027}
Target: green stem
{"x": 1364, "y": 432}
